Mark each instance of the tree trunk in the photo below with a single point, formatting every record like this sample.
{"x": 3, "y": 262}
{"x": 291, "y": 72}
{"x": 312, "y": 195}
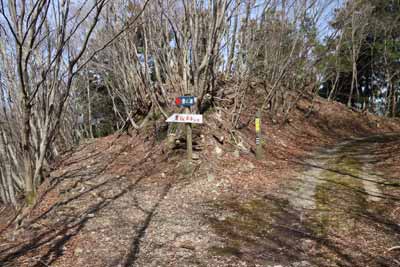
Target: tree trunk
{"x": 30, "y": 192}
{"x": 394, "y": 102}
{"x": 89, "y": 110}
{"x": 354, "y": 73}
{"x": 233, "y": 42}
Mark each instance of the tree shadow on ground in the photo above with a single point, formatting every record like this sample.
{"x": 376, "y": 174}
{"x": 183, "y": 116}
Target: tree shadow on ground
{"x": 134, "y": 249}
{"x": 270, "y": 231}
{"x": 342, "y": 227}
{"x": 47, "y": 242}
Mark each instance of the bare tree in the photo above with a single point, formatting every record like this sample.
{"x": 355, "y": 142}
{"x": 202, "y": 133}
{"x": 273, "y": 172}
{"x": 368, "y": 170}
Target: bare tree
{"x": 359, "y": 14}
{"x": 45, "y": 47}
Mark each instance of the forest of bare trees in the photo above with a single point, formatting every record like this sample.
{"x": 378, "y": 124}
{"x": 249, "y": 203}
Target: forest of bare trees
{"x": 67, "y": 66}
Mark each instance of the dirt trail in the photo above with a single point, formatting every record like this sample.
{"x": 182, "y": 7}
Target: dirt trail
{"x": 115, "y": 208}
{"x": 340, "y": 188}
{"x": 338, "y": 212}
{"x": 349, "y": 161}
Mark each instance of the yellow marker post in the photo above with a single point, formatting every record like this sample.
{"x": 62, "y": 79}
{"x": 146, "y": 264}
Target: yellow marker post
{"x": 258, "y": 125}
{"x": 258, "y": 136}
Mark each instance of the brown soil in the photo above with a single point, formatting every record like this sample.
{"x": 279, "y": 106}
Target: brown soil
{"x": 129, "y": 201}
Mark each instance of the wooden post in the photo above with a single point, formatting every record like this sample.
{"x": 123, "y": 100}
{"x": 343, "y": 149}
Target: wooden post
{"x": 258, "y": 136}
{"x": 189, "y": 146}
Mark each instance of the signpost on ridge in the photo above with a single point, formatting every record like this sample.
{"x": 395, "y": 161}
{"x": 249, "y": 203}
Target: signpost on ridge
{"x": 187, "y": 118}
{"x": 189, "y": 143}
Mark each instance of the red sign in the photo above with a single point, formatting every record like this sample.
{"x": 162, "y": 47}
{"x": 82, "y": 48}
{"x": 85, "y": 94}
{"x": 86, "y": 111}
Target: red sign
{"x": 178, "y": 101}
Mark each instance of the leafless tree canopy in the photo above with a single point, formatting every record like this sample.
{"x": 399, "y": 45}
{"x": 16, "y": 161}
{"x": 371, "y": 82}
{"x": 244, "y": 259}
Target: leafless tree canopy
{"x": 63, "y": 60}
{"x": 43, "y": 48}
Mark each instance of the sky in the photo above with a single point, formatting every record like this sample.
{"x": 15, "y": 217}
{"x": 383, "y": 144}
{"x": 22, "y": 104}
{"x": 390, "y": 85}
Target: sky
{"x": 328, "y": 7}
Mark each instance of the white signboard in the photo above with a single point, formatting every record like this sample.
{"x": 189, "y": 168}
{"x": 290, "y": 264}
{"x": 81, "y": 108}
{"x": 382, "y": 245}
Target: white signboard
{"x": 186, "y": 118}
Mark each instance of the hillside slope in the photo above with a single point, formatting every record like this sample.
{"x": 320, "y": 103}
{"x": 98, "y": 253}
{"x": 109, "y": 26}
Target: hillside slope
{"x": 129, "y": 201}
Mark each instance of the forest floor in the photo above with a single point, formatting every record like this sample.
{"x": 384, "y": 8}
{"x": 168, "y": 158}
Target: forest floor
{"x": 326, "y": 193}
